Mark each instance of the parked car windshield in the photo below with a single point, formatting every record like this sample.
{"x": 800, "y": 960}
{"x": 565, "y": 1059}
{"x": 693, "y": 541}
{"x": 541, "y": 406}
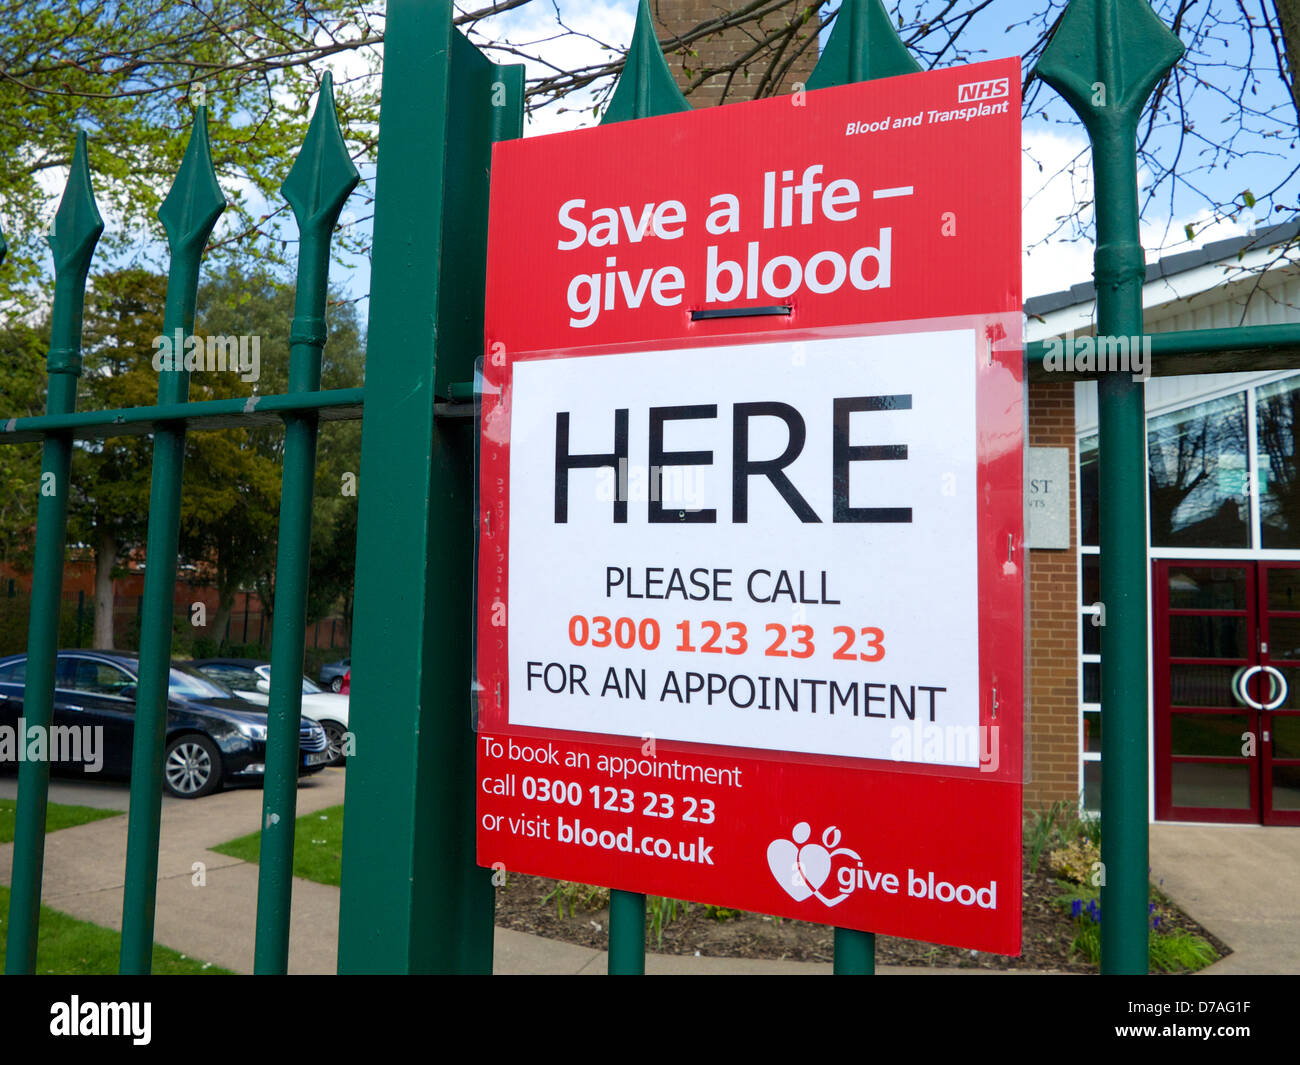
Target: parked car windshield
{"x": 308, "y": 688}
{"x": 191, "y": 684}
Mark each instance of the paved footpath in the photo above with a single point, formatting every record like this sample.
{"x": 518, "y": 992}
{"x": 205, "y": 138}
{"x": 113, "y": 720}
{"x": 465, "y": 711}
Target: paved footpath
{"x": 1240, "y": 882}
{"x": 84, "y": 873}
{"x": 1236, "y": 881}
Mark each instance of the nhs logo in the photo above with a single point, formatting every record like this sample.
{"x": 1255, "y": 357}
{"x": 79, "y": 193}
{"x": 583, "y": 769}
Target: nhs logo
{"x": 983, "y": 90}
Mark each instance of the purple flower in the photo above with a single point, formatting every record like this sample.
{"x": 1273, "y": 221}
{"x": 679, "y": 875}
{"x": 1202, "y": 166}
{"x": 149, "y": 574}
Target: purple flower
{"x": 1075, "y": 907}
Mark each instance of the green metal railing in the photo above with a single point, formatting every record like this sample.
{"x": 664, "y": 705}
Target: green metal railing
{"x": 412, "y": 897}
{"x": 316, "y": 188}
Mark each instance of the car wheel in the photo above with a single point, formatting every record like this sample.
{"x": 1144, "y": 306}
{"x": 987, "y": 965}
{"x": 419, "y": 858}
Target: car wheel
{"x": 336, "y": 685}
{"x": 192, "y": 767}
{"x": 336, "y": 734}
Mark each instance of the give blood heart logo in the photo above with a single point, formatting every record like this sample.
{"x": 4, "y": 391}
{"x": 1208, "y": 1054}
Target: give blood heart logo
{"x": 801, "y": 868}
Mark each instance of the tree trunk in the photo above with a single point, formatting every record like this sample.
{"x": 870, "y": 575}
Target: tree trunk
{"x": 105, "y": 560}
{"x": 226, "y": 589}
{"x": 217, "y": 627}
{"x": 1288, "y": 17}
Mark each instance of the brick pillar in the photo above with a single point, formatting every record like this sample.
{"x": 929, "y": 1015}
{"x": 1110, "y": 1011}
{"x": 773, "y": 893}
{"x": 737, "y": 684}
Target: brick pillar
{"x": 759, "y": 69}
{"x": 1053, "y": 624}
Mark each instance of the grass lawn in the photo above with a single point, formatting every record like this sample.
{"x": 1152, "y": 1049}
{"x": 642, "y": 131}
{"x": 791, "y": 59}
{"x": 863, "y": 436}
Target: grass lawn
{"x": 317, "y": 846}
{"x": 56, "y": 817}
{"x": 71, "y": 947}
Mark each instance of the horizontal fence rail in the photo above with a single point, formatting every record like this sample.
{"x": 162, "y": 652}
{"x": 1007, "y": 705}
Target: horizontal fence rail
{"x": 335, "y": 404}
{"x": 1187, "y": 351}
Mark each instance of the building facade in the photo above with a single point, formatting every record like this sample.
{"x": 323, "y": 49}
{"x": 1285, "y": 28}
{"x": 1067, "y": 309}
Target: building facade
{"x": 1223, "y": 545}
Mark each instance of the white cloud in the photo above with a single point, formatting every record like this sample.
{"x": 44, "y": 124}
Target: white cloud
{"x": 592, "y": 26}
{"x": 1056, "y": 178}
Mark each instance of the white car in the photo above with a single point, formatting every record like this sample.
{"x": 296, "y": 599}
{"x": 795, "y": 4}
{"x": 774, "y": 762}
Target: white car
{"x": 251, "y": 680}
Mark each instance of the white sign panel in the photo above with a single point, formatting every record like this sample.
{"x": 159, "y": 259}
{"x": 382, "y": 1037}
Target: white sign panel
{"x": 717, "y": 592}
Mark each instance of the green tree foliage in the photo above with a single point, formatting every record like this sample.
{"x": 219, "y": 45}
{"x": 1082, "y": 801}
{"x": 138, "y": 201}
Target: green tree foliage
{"x": 232, "y": 484}
{"x": 22, "y": 391}
{"x": 110, "y": 477}
{"x": 230, "y": 502}
{"x": 132, "y": 73}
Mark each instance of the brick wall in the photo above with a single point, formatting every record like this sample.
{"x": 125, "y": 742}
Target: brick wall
{"x": 1053, "y": 624}
{"x": 770, "y": 69}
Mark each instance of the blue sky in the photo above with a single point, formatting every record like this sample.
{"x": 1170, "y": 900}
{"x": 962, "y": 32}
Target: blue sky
{"x": 1055, "y": 172}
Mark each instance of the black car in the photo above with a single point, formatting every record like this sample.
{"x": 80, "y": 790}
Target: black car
{"x": 213, "y": 736}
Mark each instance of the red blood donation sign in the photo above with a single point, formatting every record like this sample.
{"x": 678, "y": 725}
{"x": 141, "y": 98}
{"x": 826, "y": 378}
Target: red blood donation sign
{"x": 751, "y": 565}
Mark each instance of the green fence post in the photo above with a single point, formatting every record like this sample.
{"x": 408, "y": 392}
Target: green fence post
{"x": 1105, "y": 58}
{"x": 77, "y": 227}
{"x": 855, "y": 952}
{"x": 645, "y": 88}
{"x": 321, "y": 180}
{"x": 188, "y": 214}
{"x": 626, "y": 933}
{"x": 863, "y": 46}
{"x": 413, "y": 898}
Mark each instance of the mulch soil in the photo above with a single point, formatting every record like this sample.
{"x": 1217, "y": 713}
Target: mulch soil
{"x": 579, "y": 914}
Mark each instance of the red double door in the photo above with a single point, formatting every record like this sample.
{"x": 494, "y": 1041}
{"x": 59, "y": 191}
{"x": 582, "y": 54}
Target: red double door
{"x": 1227, "y": 691}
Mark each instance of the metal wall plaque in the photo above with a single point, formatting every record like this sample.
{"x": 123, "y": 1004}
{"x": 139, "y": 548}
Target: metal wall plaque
{"x": 1047, "y": 498}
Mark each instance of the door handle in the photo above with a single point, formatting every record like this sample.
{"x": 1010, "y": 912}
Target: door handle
{"x": 1239, "y": 681}
{"x": 1282, "y": 689}
{"x": 1277, "y": 687}
{"x": 69, "y": 706}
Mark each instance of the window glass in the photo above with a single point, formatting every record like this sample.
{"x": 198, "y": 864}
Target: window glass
{"x": 1090, "y": 585}
{"x": 308, "y": 688}
{"x": 1092, "y": 682}
{"x": 94, "y": 677}
{"x": 237, "y": 678}
{"x": 14, "y": 672}
{"x": 187, "y": 683}
{"x": 1207, "y": 587}
{"x": 1199, "y": 475}
{"x": 1091, "y": 630}
{"x": 1092, "y": 731}
{"x": 1092, "y": 786}
{"x": 1088, "y": 521}
{"x": 1090, "y": 593}
{"x": 1276, "y": 408}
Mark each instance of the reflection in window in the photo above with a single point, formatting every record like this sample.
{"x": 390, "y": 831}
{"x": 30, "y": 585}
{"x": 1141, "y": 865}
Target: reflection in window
{"x": 1276, "y": 408}
{"x": 1092, "y": 786}
{"x": 1092, "y": 682}
{"x": 1088, "y": 488}
{"x": 1198, "y": 475}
